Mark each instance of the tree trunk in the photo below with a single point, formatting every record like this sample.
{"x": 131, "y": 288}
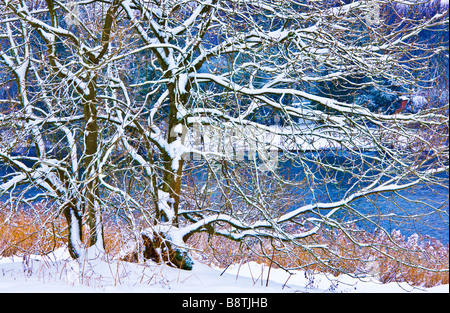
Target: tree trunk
{"x": 75, "y": 234}
{"x": 159, "y": 249}
{"x": 91, "y": 192}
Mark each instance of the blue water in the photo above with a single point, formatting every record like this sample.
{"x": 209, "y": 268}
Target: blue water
{"x": 428, "y": 205}
{"x": 422, "y": 209}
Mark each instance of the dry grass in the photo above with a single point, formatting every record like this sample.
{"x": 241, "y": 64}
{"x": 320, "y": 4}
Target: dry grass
{"x": 418, "y": 261}
{"x": 31, "y": 231}
{"x": 38, "y": 232}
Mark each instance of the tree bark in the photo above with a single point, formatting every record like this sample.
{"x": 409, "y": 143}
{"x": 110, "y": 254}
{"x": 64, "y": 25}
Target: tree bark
{"x": 74, "y": 229}
{"x": 91, "y": 192}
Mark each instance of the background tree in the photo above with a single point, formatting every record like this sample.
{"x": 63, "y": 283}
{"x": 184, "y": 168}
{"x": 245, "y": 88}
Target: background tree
{"x": 112, "y": 103}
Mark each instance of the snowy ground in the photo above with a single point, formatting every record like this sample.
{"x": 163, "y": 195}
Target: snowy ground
{"x": 58, "y": 273}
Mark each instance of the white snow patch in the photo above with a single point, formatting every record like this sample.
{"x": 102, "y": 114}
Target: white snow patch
{"x": 163, "y": 203}
{"x": 182, "y": 83}
{"x": 57, "y": 272}
{"x": 418, "y": 103}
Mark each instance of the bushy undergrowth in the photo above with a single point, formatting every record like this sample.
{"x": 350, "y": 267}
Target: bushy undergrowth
{"x": 39, "y": 232}
{"x": 416, "y": 260}
{"x": 29, "y": 231}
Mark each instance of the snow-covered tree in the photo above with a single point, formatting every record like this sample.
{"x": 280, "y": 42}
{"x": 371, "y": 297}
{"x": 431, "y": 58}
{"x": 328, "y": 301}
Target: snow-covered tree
{"x": 178, "y": 116}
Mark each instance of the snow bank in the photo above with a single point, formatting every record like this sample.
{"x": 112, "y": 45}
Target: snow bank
{"x": 58, "y": 273}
